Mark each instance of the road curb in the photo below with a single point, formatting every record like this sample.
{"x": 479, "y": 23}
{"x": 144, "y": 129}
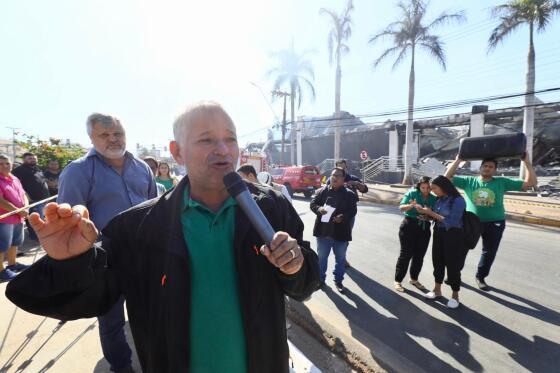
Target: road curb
{"x": 509, "y": 216}
{"x": 361, "y": 350}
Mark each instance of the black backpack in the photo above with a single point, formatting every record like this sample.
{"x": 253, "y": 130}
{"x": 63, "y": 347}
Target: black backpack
{"x": 471, "y": 229}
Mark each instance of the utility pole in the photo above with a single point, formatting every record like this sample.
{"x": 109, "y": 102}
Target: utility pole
{"x": 14, "y": 133}
{"x": 283, "y": 94}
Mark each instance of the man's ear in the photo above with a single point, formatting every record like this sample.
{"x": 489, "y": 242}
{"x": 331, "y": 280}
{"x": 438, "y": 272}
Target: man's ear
{"x": 176, "y": 152}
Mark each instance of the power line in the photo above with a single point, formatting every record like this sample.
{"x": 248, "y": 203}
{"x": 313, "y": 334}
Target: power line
{"x": 441, "y": 106}
{"x": 423, "y": 118}
{"x": 355, "y": 123}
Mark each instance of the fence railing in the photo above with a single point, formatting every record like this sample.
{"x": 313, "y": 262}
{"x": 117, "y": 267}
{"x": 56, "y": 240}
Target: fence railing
{"x": 382, "y": 164}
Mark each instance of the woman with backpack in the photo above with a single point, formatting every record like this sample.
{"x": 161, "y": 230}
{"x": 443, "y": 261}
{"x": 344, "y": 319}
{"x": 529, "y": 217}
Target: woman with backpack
{"x": 414, "y": 233}
{"x": 448, "y": 248}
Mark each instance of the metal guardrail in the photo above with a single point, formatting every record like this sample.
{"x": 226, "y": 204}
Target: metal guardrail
{"x": 382, "y": 164}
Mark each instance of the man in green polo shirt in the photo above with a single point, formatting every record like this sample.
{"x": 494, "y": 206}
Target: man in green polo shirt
{"x": 203, "y": 292}
{"x": 485, "y": 198}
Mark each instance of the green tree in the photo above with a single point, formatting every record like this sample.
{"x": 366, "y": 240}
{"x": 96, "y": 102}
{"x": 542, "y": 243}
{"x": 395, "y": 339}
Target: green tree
{"x": 51, "y": 149}
{"x": 340, "y": 32}
{"x": 410, "y": 32}
{"x": 536, "y": 14}
{"x": 295, "y": 70}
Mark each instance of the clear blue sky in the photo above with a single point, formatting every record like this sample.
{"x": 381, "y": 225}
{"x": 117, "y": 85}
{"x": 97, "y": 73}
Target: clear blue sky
{"x": 145, "y": 60}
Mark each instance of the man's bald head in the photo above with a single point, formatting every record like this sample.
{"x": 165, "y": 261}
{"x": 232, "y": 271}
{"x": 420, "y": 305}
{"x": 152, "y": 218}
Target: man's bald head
{"x": 193, "y": 114}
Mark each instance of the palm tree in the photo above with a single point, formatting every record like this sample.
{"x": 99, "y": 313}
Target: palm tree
{"x": 295, "y": 70}
{"x": 409, "y": 32}
{"x": 535, "y": 13}
{"x": 340, "y": 32}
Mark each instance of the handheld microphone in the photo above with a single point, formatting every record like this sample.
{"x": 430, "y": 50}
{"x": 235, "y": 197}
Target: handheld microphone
{"x": 238, "y": 189}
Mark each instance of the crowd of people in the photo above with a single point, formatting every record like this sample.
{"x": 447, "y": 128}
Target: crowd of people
{"x": 195, "y": 274}
{"x": 438, "y": 200}
{"x": 21, "y": 186}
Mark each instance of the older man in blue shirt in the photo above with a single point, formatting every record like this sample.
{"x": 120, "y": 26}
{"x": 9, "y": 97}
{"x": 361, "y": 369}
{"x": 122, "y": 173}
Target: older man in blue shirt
{"x": 108, "y": 180}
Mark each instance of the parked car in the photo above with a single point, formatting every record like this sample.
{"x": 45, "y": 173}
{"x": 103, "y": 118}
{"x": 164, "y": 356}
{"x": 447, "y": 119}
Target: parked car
{"x": 298, "y": 179}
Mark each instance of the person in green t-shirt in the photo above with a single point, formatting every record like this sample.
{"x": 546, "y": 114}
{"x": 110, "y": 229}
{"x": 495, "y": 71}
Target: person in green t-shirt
{"x": 485, "y": 198}
{"x": 165, "y": 177}
{"x": 414, "y": 233}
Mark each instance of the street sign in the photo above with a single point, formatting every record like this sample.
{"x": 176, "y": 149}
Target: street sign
{"x": 363, "y": 155}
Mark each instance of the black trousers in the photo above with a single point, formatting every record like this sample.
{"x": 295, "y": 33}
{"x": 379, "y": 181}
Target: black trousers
{"x": 448, "y": 253}
{"x": 414, "y": 244}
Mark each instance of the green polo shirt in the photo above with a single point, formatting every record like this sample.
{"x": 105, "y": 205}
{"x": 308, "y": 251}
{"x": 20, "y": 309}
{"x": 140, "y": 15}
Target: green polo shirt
{"x": 486, "y": 198}
{"x": 217, "y": 337}
{"x": 415, "y": 194}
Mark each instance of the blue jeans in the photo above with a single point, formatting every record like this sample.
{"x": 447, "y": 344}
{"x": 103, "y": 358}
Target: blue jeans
{"x": 113, "y": 341}
{"x": 324, "y": 246}
{"x": 491, "y": 236}
{"x": 10, "y": 235}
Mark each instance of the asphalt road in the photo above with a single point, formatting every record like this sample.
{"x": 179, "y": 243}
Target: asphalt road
{"x": 514, "y": 327}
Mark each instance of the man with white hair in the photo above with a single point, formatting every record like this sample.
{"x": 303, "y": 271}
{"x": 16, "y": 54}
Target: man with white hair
{"x": 107, "y": 181}
{"x": 203, "y": 292}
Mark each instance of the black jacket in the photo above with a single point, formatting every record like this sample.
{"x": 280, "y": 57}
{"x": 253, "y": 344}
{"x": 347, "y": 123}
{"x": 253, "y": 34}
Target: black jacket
{"x": 33, "y": 182}
{"x": 145, "y": 258}
{"x": 345, "y": 202}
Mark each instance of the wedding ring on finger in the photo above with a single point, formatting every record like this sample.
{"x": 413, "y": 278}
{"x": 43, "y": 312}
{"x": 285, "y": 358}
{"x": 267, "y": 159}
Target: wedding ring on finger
{"x": 293, "y": 253}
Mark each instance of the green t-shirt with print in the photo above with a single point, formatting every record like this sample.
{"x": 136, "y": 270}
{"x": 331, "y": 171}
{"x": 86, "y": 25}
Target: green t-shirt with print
{"x": 486, "y": 198}
{"x": 415, "y": 194}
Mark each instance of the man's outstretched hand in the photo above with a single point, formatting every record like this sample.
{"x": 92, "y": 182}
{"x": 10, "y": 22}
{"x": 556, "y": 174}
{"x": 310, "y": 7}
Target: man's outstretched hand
{"x": 66, "y": 231}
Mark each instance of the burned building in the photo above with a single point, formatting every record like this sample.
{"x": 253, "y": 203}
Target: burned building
{"x": 437, "y": 137}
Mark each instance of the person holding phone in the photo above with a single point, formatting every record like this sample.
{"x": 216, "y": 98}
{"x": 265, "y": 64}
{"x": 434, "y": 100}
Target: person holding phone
{"x": 414, "y": 233}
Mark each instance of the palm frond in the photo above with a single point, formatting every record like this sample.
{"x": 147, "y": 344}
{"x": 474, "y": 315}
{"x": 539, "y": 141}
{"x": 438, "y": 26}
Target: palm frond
{"x": 385, "y": 54}
{"x": 400, "y": 58}
{"x": 506, "y": 27}
{"x": 349, "y": 8}
{"x": 340, "y": 29}
{"x": 292, "y": 67}
{"x": 383, "y": 34}
{"x": 310, "y": 87}
{"x": 280, "y": 80}
{"x": 445, "y": 19}
{"x": 545, "y": 12}
{"x": 411, "y": 29}
{"x": 503, "y": 10}
{"x": 435, "y": 47}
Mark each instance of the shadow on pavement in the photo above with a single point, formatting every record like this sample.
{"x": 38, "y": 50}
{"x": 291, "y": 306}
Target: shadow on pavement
{"x": 300, "y": 314}
{"x": 53, "y": 361}
{"x": 8, "y": 364}
{"x": 23, "y": 366}
{"x": 539, "y": 355}
{"x": 531, "y": 308}
{"x": 409, "y": 320}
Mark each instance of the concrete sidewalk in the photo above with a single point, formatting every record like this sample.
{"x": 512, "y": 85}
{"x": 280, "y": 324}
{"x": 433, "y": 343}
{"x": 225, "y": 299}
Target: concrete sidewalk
{"x": 524, "y": 208}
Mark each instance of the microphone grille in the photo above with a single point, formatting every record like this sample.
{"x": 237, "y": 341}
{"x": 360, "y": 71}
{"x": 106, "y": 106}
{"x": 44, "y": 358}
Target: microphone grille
{"x": 234, "y": 183}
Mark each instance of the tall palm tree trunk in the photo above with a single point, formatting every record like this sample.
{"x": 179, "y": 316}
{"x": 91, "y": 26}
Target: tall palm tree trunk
{"x": 283, "y": 154}
{"x": 292, "y": 125}
{"x": 529, "y": 112}
{"x": 337, "y": 128}
{"x": 409, "y": 124}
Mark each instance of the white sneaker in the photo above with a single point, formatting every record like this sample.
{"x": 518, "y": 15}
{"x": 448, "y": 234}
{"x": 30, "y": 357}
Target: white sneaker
{"x": 430, "y": 295}
{"x": 452, "y": 303}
